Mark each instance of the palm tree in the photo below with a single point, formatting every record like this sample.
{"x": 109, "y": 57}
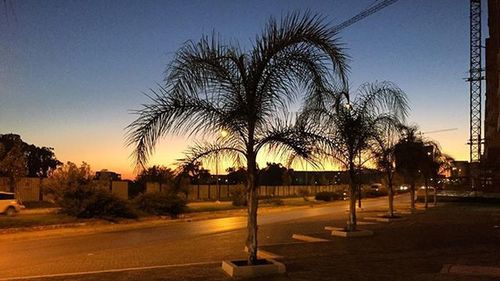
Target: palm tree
{"x": 350, "y": 128}
{"x": 410, "y": 153}
{"x": 212, "y": 86}
{"x": 384, "y": 155}
{"x": 433, "y": 162}
{"x": 442, "y": 163}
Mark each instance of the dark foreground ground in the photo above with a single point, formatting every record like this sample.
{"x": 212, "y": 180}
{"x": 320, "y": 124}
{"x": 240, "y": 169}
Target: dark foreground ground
{"x": 415, "y": 249}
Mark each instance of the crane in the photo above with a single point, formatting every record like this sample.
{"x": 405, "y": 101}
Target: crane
{"x": 475, "y": 78}
{"x": 371, "y": 10}
{"x": 439, "y": 131}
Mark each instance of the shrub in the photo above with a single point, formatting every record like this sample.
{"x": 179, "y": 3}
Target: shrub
{"x": 73, "y": 190}
{"x": 273, "y": 201}
{"x": 89, "y": 202}
{"x": 161, "y": 203}
{"x": 239, "y": 196}
{"x": 328, "y": 196}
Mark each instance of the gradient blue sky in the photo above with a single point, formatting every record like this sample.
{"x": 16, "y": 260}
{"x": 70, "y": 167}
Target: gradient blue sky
{"x": 70, "y": 71}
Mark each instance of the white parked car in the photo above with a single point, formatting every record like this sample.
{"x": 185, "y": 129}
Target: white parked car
{"x": 9, "y": 205}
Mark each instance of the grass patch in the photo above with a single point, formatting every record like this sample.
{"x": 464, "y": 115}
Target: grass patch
{"x": 211, "y": 207}
{"x": 35, "y": 220}
{"x": 39, "y": 204}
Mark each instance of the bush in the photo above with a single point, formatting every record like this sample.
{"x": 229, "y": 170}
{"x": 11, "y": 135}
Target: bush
{"x": 273, "y": 201}
{"x": 73, "y": 189}
{"x": 328, "y": 196}
{"x": 239, "y": 197}
{"x": 161, "y": 203}
{"x": 89, "y": 202}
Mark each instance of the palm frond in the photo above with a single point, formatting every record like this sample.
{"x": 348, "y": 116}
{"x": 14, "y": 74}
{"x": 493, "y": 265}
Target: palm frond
{"x": 380, "y": 97}
{"x": 211, "y": 152}
{"x": 170, "y": 114}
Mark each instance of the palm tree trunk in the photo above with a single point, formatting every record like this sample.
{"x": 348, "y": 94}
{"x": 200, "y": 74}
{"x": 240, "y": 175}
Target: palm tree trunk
{"x": 253, "y": 202}
{"x": 426, "y": 194}
{"x": 351, "y": 226}
{"x": 435, "y": 197}
{"x": 412, "y": 196}
{"x": 390, "y": 193}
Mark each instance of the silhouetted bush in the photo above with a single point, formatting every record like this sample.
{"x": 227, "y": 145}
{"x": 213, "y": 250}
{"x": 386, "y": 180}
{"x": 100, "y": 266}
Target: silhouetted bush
{"x": 273, "y": 201}
{"x": 90, "y": 202}
{"x": 328, "y": 196}
{"x": 71, "y": 187}
{"x": 239, "y": 197}
{"x": 161, "y": 203}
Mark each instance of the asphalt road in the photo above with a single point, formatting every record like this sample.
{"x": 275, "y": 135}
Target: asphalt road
{"x": 206, "y": 241}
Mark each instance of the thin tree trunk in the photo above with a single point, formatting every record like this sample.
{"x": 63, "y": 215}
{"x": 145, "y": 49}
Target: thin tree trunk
{"x": 352, "y": 202}
{"x": 390, "y": 193}
{"x": 435, "y": 197}
{"x": 426, "y": 194}
{"x": 359, "y": 196}
{"x": 412, "y": 195}
{"x": 253, "y": 202}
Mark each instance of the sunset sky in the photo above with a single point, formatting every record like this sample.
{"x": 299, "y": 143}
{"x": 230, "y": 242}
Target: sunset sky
{"x": 71, "y": 71}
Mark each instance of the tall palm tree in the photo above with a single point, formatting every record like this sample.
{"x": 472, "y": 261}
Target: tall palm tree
{"x": 442, "y": 163}
{"x": 384, "y": 155}
{"x": 212, "y": 86}
{"x": 410, "y": 153}
{"x": 433, "y": 162}
{"x": 351, "y": 126}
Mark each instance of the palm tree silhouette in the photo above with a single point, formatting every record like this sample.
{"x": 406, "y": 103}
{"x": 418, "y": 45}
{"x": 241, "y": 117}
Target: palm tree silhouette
{"x": 212, "y": 86}
{"x": 350, "y": 128}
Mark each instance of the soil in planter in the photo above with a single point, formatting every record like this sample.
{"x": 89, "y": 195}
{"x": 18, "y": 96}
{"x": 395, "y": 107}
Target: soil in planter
{"x": 344, "y": 229}
{"x": 391, "y": 217}
{"x": 245, "y": 263}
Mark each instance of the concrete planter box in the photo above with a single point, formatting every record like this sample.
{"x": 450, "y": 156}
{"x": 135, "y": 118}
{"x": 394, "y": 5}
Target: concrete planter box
{"x": 348, "y": 234}
{"x": 240, "y": 268}
{"x": 387, "y": 218}
{"x": 307, "y": 238}
{"x": 334, "y": 228}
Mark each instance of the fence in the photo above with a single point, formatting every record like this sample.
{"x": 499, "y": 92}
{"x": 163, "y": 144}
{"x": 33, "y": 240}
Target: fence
{"x": 223, "y": 192}
{"x": 28, "y": 189}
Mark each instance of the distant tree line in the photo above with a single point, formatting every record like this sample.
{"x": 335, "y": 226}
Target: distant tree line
{"x": 20, "y": 159}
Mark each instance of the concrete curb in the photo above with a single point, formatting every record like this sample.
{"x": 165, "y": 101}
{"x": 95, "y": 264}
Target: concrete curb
{"x": 249, "y": 271}
{"x": 471, "y": 270}
{"x": 349, "y": 234}
{"x": 264, "y": 254}
{"x": 308, "y": 238}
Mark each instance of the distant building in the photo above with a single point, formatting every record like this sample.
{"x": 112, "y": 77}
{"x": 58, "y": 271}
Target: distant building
{"x": 107, "y": 175}
{"x": 492, "y": 103}
{"x": 460, "y": 169}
